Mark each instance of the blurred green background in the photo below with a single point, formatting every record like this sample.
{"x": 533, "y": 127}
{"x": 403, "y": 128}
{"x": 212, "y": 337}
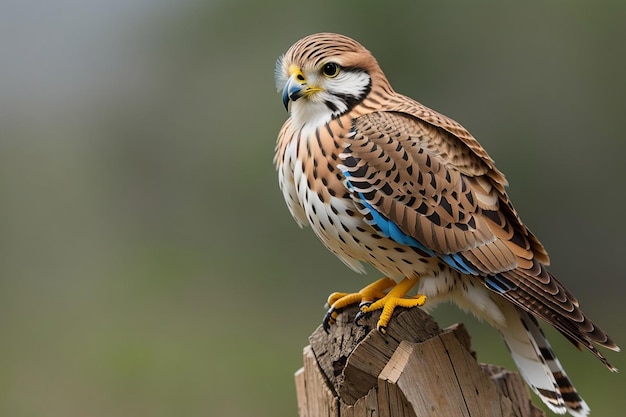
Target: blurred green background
{"x": 149, "y": 266}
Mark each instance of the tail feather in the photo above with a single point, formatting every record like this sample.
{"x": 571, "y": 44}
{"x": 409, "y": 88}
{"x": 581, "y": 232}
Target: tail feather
{"x": 538, "y": 364}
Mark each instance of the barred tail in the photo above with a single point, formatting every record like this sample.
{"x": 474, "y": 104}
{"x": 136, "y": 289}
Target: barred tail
{"x": 538, "y": 364}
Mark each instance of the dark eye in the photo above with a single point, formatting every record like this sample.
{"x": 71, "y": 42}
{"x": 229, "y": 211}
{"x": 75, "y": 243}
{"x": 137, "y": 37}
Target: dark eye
{"x": 330, "y": 69}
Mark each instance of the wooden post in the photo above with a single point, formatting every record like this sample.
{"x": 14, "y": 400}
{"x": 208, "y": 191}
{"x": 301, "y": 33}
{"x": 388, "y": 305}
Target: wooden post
{"x": 415, "y": 370}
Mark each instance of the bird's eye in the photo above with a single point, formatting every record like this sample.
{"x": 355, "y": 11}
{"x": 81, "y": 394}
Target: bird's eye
{"x": 330, "y": 69}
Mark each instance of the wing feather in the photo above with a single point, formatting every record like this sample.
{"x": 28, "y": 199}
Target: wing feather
{"x": 390, "y": 164}
{"x": 441, "y": 193}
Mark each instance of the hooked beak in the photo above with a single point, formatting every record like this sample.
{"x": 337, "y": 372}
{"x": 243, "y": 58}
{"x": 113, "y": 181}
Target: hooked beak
{"x": 293, "y": 90}
{"x": 296, "y": 86}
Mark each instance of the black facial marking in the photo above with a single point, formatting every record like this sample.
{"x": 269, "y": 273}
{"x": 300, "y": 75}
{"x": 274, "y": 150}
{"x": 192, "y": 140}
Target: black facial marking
{"x": 350, "y": 99}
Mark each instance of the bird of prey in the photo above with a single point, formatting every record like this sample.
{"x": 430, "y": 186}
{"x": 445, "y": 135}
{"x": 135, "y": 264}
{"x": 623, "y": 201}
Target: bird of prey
{"x": 385, "y": 180}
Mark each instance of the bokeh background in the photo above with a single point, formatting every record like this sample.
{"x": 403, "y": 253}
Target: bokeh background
{"x": 148, "y": 265}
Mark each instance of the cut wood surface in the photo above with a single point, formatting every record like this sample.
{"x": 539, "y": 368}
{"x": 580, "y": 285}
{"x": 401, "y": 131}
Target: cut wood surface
{"x": 416, "y": 369}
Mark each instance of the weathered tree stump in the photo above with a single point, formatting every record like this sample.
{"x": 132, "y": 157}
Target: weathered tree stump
{"x": 415, "y": 370}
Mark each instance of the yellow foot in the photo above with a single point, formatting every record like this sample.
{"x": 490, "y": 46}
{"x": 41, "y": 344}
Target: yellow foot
{"x": 396, "y": 297}
{"x": 337, "y": 301}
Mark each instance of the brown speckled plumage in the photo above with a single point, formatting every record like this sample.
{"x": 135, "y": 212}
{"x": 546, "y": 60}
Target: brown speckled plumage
{"x": 356, "y": 162}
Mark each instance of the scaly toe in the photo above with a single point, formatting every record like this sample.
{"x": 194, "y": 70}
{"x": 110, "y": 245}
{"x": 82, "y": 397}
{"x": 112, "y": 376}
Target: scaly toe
{"x": 420, "y": 300}
{"x": 389, "y": 304}
{"x": 338, "y": 301}
{"x": 334, "y": 297}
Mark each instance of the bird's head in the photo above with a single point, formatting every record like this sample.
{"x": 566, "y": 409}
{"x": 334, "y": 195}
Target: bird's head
{"x": 323, "y": 76}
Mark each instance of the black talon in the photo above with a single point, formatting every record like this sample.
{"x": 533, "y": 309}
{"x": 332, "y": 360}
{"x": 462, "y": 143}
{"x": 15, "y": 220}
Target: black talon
{"x": 360, "y": 316}
{"x": 329, "y": 319}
